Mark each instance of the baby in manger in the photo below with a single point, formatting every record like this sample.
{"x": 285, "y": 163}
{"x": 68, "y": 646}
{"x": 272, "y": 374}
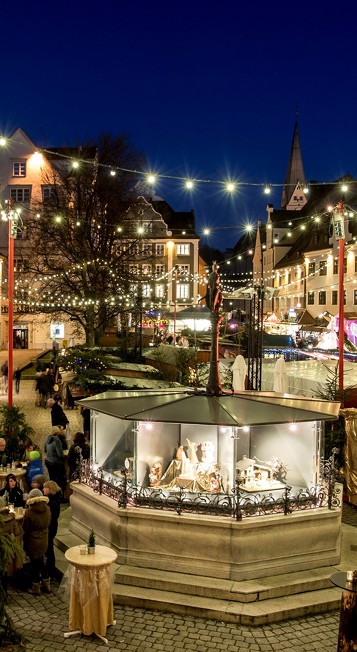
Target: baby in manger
{"x": 194, "y": 470}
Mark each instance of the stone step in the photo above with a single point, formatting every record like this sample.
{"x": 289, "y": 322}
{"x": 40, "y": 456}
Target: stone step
{"x": 254, "y": 614}
{"x": 243, "y": 591}
{"x": 250, "y": 602}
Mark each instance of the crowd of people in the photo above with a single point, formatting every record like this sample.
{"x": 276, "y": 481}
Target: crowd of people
{"x": 44, "y": 487}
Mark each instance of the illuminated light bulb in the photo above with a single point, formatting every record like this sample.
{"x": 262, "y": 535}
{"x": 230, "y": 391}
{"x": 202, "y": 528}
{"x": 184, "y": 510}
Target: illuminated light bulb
{"x": 317, "y": 219}
{"x": 269, "y": 227}
{"x": 140, "y": 229}
{"x": 267, "y": 190}
{"x": 290, "y": 223}
{"x": 112, "y": 173}
{"x": 303, "y": 227}
{"x": 239, "y": 257}
{"x": 276, "y": 240}
{"x": 350, "y": 214}
{"x": 58, "y": 218}
{"x": 189, "y": 184}
{"x": 151, "y": 179}
{"x": 289, "y": 234}
{"x": 119, "y": 229}
{"x": 78, "y": 223}
{"x": 2, "y": 141}
{"x": 293, "y": 427}
{"x": 248, "y": 228}
{"x": 264, "y": 246}
{"x": 344, "y": 187}
{"x": 183, "y": 232}
{"x": 250, "y": 252}
{"x": 330, "y": 209}
{"x": 245, "y": 428}
{"x": 206, "y": 231}
{"x": 38, "y": 215}
{"x": 228, "y": 262}
{"x": 306, "y": 190}
{"x": 75, "y": 164}
{"x": 230, "y": 186}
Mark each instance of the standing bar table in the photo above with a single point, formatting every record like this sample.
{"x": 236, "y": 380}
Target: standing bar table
{"x": 90, "y": 591}
{"x": 347, "y": 635}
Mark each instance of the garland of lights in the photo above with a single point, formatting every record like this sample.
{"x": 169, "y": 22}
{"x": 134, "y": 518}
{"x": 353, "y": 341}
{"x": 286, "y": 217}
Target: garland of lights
{"x": 151, "y": 178}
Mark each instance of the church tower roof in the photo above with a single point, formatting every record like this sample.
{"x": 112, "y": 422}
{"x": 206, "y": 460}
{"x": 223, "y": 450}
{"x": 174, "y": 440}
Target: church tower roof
{"x": 295, "y": 173}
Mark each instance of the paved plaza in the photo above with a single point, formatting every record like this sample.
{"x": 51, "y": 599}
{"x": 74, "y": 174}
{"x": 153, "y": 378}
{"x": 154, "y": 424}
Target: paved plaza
{"x": 42, "y": 621}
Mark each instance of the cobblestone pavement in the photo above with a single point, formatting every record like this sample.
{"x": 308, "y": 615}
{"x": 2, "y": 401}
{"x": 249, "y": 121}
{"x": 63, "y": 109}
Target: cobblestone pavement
{"x": 40, "y": 418}
{"x": 42, "y": 621}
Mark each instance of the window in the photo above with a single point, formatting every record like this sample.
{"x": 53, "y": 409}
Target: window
{"x": 159, "y": 249}
{"x": 355, "y": 297}
{"x": 19, "y": 194}
{"x": 47, "y": 193}
{"x": 182, "y": 291}
{"x": 147, "y": 249}
{"x": 334, "y": 297}
{"x": 183, "y": 270}
{"x": 322, "y": 298}
{"x": 146, "y": 290}
{"x": 335, "y": 266}
{"x": 323, "y": 268}
{"x": 159, "y": 270}
{"x": 159, "y": 291}
{"x": 146, "y": 269}
{"x": 183, "y": 249}
{"x": 21, "y": 264}
{"x": 310, "y": 298}
{"x": 19, "y": 169}
{"x": 312, "y": 268}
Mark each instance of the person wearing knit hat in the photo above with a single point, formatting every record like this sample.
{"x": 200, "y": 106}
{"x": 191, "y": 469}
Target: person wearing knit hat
{"x": 36, "y": 522}
{"x": 38, "y": 481}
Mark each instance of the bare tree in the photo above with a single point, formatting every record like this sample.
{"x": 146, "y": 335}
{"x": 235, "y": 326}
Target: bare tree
{"x": 84, "y": 237}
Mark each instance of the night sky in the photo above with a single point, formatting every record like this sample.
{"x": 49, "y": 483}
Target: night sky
{"x": 206, "y": 89}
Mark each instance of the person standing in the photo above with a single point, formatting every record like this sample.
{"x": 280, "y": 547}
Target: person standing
{"x": 5, "y": 374}
{"x": 58, "y": 417}
{"x": 54, "y": 460}
{"x": 36, "y": 522}
{"x": 79, "y": 448}
{"x": 53, "y": 492}
{"x": 17, "y": 377}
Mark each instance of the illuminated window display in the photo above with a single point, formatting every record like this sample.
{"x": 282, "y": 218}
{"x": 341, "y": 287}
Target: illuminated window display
{"x": 207, "y": 458}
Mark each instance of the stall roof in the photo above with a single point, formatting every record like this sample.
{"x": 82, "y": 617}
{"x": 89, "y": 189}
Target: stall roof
{"x": 188, "y": 406}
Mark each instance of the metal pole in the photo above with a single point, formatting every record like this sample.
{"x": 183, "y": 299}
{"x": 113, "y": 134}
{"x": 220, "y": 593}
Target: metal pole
{"x": 10, "y": 274}
{"x": 175, "y": 304}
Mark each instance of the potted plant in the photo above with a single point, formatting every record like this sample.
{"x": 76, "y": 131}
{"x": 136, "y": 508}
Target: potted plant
{"x": 91, "y": 543}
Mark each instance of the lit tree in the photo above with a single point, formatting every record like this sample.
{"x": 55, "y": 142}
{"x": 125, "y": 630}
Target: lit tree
{"x": 84, "y": 237}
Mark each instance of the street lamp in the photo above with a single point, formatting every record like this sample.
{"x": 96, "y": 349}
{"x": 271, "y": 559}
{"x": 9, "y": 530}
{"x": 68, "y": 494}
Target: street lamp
{"x": 11, "y": 216}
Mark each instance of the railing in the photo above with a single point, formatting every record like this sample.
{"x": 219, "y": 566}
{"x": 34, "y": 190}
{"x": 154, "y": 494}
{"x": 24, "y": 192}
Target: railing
{"x": 237, "y": 504}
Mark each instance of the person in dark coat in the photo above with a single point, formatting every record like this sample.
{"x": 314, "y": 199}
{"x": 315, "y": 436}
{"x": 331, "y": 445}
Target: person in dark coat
{"x": 43, "y": 387}
{"x": 12, "y": 493}
{"x": 58, "y": 417}
{"x": 79, "y": 447}
{"x": 54, "y": 460}
{"x": 54, "y": 494}
{"x": 37, "y": 519}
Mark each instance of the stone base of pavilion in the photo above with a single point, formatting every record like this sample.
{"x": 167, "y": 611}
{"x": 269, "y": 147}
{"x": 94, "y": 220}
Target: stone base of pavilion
{"x": 209, "y": 545}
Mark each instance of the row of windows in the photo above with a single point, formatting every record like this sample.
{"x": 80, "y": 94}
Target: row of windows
{"x": 182, "y": 290}
{"x": 322, "y": 298}
{"x": 159, "y": 269}
{"x": 323, "y": 267}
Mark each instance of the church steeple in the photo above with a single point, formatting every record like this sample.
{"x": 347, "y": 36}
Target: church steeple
{"x": 295, "y": 173}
